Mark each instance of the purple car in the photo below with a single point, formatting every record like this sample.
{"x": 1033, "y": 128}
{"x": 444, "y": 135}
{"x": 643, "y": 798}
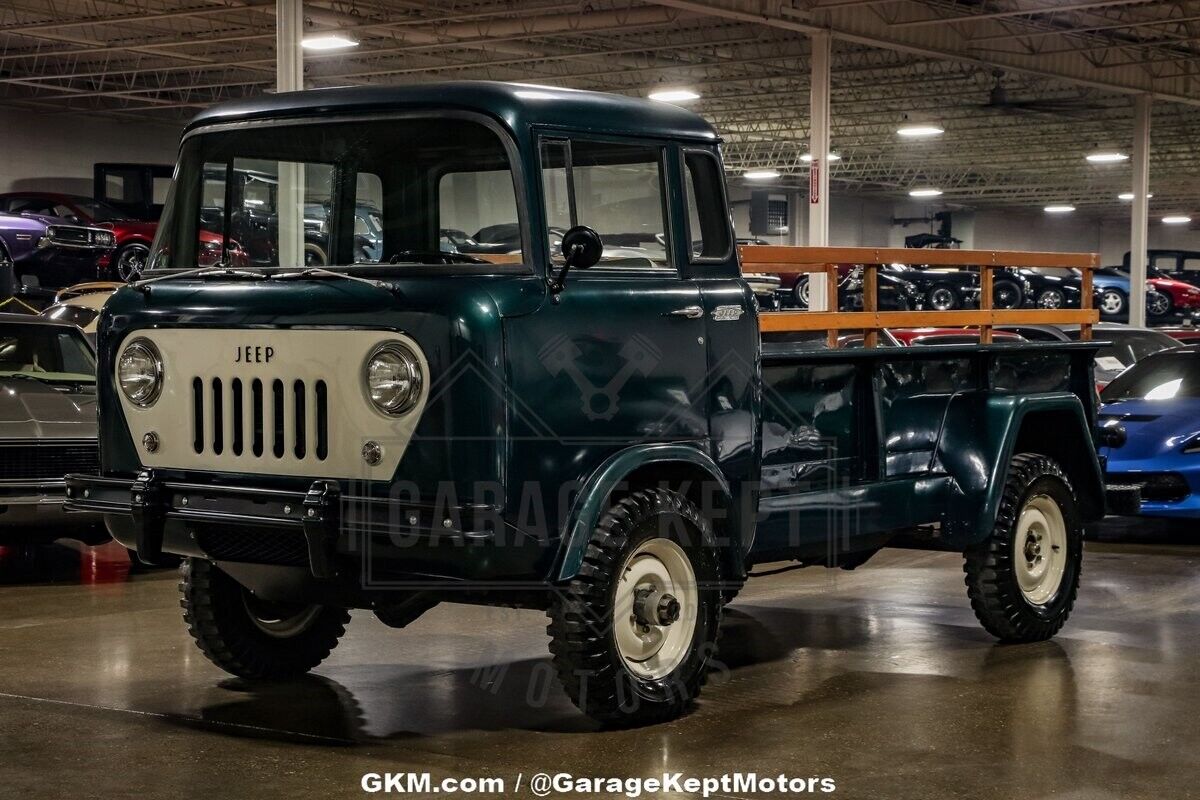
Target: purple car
{"x": 39, "y": 253}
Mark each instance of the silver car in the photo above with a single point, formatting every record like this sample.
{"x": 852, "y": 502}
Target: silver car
{"x": 47, "y": 427}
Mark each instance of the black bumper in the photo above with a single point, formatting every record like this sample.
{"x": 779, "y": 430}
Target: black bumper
{"x": 290, "y": 528}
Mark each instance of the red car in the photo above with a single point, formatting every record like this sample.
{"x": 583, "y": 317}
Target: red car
{"x": 921, "y": 336}
{"x": 134, "y": 237}
{"x": 1185, "y": 334}
{"x": 1171, "y": 296}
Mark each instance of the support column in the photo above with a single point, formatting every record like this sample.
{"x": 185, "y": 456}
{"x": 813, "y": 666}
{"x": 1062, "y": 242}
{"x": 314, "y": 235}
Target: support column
{"x": 818, "y": 175}
{"x": 1138, "y": 239}
{"x": 289, "y": 69}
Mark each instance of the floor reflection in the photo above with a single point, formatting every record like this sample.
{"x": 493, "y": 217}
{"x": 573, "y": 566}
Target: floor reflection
{"x": 63, "y": 561}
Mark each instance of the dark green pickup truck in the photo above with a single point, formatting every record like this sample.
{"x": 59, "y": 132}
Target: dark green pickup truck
{"x": 542, "y": 385}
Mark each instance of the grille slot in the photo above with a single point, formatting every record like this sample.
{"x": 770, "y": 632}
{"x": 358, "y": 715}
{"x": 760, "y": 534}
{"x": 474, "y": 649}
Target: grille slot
{"x": 41, "y": 461}
{"x": 261, "y": 547}
{"x": 280, "y": 420}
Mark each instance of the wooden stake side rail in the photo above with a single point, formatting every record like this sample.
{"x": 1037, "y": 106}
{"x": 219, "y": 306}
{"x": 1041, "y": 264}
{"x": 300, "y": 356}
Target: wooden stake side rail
{"x": 790, "y": 260}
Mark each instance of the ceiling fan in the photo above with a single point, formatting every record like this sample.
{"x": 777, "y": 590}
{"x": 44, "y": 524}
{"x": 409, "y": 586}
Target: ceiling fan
{"x": 999, "y": 100}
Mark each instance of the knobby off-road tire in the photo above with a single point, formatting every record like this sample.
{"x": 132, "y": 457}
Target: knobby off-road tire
{"x": 652, "y": 541}
{"x": 1022, "y": 579}
{"x": 270, "y": 642}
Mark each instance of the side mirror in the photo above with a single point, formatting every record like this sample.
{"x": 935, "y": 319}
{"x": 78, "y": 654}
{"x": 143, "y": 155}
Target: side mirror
{"x": 581, "y": 249}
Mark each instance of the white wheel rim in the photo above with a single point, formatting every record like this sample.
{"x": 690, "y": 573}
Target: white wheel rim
{"x": 941, "y": 299}
{"x": 1051, "y": 299}
{"x": 1111, "y": 302}
{"x": 653, "y": 651}
{"x": 804, "y": 294}
{"x": 1040, "y": 549}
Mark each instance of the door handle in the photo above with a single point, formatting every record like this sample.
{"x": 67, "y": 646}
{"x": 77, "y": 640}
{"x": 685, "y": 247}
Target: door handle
{"x": 691, "y": 312}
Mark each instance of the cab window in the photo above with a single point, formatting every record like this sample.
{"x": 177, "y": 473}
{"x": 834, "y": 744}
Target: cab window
{"x": 615, "y": 189}
{"x": 708, "y": 220}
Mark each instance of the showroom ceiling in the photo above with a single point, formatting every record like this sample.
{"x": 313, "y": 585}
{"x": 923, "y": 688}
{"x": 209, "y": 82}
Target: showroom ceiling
{"x": 1024, "y": 90}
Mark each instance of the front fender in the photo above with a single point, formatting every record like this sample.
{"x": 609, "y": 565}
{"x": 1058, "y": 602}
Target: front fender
{"x": 610, "y": 477}
{"x": 981, "y": 435}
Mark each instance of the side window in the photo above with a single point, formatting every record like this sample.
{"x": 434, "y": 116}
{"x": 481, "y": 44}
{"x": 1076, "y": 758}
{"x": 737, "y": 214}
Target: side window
{"x": 708, "y": 221}
{"x": 1191, "y": 265}
{"x": 1165, "y": 263}
{"x": 616, "y": 189}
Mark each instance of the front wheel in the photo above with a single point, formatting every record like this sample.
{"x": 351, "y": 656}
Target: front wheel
{"x": 941, "y": 298}
{"x": 1112, "y": 302}
{"x": 633, "y": 632}
{"x": 1158, "y": 304}
{"x": 1022, "y": 579}
{"x": 1052, "y": 299}
{"x": 251, "y": 637}
{"x": 130, "y": 261}
{"x": 1007, "y": 294}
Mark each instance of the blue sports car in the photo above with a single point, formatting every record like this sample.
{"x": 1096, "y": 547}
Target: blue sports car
{"x": 1155, "y": 404}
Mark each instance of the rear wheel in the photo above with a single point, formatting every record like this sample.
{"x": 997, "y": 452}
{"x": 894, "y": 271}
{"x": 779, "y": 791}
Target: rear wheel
{"x": 800, "y": 292}
{"x": 633, "y": 633}
{"x": 251, "y": 637}
{"x": 1007, "y": 294}
{"x": 1022, "y": 579}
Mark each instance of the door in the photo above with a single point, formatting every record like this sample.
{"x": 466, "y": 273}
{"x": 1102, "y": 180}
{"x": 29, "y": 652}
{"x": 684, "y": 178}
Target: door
{"x": 619, "y": 357}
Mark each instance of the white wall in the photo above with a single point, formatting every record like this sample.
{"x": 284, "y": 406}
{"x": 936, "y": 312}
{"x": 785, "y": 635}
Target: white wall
{"x": 55, "y": 152}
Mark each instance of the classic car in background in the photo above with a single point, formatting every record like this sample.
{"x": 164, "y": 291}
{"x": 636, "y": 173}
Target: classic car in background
{"x": 942, "y": 289}
{"x": 47, "y": 427}
{"x": 1127, "y": 344}
{"x": 894, "y": 293}
{"x": 133, "y": 237}
{"x": 1154, "y": 407}
{"x": 80, "y": 306}
{"x": 40, "y": 253}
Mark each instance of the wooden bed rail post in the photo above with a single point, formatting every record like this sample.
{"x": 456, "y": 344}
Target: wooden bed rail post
{"x": 832, "y": 301}
{"x": 986, "y": 288}
{"x": 871, "y": 302}
{"x": 1086, "y": 300}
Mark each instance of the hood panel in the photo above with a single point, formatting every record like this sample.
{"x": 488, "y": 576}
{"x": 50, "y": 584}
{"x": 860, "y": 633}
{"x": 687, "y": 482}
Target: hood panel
{"x": 1153, "y": 427}
{"x": 30, "y": 410}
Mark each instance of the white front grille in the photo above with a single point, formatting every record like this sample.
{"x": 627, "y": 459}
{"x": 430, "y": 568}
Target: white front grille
{"x": 278, "y": 402}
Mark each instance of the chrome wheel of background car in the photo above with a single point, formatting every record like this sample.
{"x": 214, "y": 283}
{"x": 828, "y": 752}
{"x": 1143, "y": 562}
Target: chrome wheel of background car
{"x": 131, "y": 261}
{"x": 1051, "y": 298}
{"x": 654, "y": 617}
{"x": 1005, "y": 294}
{"x": 280, "y": 620}
{"x": 314, "y": 256}
{"x": 1158, "y": 304}
{"x": 1112, "y": 302}
{"x": 942, "y": 298}
{"x": 1040, "y": 549}
{"x": 800, "y": 293}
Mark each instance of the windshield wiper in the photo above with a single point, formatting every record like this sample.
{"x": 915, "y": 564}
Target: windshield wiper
{"x": 433, "y": 257}
{"x": 321, "y": 272}
{"x": 200, "y": 272}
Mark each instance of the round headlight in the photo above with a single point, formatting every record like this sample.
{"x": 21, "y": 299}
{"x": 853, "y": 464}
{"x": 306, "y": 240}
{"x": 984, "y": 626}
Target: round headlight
{"x": 140, "y": 372}
{"x": 393, "y": 378}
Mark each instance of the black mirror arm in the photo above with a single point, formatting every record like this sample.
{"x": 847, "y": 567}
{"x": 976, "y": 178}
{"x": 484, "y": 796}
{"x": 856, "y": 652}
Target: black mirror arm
{"x": 559, "y": 281}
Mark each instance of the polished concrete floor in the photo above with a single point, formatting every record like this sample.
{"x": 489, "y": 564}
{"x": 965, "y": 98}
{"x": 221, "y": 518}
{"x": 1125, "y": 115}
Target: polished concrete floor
{"x": 879, "y": 678}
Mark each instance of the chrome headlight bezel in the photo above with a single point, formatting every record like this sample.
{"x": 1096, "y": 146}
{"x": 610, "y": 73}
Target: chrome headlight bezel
{"x": 411, "y": 366}
{"x": 144, "y": 348}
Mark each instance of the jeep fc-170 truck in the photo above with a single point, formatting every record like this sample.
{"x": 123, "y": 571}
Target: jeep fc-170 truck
{"x": 586, "y": 421}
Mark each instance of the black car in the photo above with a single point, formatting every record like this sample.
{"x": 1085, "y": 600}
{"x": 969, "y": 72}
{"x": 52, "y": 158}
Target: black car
{"x": 894, "y": 293}
{"x": 1057, "y": 289}
{"x": 941, "y": 289}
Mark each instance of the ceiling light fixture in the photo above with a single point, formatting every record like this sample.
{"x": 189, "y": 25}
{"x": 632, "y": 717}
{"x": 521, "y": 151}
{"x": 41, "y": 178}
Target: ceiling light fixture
{"x": 761, "y": 174}
{"x": 1106, "y": 157}
{"x": 807, "y": 157}
{"x": 929, "y": 192}
{"x": 1176, "y": 219}
{"x": 1063, "y": 208}
{"x": 674, "y": 95}
{"x": 1129, "y": 196}
{"x": 920, "y": 130}
{"x": 327, "y": 41}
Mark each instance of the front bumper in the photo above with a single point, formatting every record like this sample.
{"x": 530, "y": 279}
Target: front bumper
{"x": 38, "y": 503}
{"x": 311, "y": 529}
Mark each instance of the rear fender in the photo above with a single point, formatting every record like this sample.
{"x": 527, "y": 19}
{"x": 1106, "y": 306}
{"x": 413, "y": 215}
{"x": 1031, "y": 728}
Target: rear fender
{"x": 981, "y": 435}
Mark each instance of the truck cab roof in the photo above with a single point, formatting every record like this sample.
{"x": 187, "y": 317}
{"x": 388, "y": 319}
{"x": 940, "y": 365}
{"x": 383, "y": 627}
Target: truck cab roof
{"x": 515, "y": 105}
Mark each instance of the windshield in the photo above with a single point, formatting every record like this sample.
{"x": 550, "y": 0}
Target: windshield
{"x": 405, "y": 191}
{"x": 48, "y": 352}
{"x": 99, "y": 211}
{"x": 1162, "y": 377}
{"x": 1128, "y": 346}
